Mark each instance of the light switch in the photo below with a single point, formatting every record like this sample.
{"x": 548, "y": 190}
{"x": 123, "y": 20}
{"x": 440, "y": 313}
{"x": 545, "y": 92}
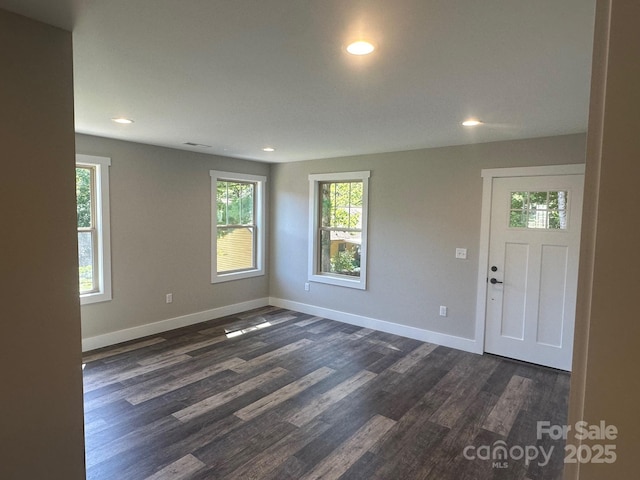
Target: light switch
{"x": 461, "y": 253}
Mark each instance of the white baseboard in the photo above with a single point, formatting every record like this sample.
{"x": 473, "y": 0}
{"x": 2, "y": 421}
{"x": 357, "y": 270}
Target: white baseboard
{"x": 154, "y": 328}
{"x": 459, "y": 343}
{"x": 119, "y": 336}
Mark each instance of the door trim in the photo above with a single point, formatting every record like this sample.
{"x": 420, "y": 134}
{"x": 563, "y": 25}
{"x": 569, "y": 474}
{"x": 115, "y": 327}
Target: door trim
{"x": 488, "y": 175}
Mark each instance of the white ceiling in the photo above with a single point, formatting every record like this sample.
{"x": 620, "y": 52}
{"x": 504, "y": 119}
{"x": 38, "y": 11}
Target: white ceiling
{"x": 243, "y": 74}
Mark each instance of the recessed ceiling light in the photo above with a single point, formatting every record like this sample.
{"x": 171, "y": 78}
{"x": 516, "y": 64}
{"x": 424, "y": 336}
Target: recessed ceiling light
{"x": 471, "y": 123}
{"x": 268, "y": 149}
{"x": 122, "y": 120}
{"x": 360, "y": 48}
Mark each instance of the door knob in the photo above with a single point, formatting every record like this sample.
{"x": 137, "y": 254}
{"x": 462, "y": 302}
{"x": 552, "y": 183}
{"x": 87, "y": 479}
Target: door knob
{"x": 494, "y": 281}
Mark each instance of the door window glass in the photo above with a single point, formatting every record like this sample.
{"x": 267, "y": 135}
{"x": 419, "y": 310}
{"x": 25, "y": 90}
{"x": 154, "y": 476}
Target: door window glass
{"x": 539, "y": 210}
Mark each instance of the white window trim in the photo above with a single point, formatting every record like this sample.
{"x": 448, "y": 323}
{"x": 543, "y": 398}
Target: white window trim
{"x": 260, "y": 221}
{"x": 103, "y": 227}
{"x": 314, "y": 226}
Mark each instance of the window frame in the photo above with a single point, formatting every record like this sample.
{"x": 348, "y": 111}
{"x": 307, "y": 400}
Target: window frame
{"x": 315, "y": 229}
{"x": 101, "y": 215}
{"x": 259, "y": 221}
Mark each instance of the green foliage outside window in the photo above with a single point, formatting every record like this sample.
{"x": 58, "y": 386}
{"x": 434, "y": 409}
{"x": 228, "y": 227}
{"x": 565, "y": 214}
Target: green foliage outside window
{"x": 84, "y": 185}
{"x": 344, "y": 262}
{"x": 342, "y": 204}
{"x": 546, "y": 210}
{"x": 83, "y": 196}
{"x": 341, "y": 222}
{"x": 234, "y": 204}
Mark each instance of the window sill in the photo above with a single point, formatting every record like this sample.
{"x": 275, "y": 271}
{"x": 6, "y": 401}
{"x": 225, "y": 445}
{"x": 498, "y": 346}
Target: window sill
{"x": 229, "y": 277}
{"x": 339, "y": 280}
{"x": 89, "y": 298}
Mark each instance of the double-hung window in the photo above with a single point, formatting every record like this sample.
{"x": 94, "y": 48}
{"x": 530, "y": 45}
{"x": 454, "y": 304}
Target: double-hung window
{"x": 238, "y": 219}
{"x": 92, "y": 201}
{"x": 338, "y": 228}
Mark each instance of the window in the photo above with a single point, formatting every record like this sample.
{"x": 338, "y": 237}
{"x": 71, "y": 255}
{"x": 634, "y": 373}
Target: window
{"x": 539, "y": 210}
{"x": 94, "y": 251}
{"x": 338, "y": 228}
{"x": 238, "y": 233}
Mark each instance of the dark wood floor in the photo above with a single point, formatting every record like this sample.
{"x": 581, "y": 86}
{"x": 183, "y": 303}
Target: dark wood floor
{"x": 308, "y": 397}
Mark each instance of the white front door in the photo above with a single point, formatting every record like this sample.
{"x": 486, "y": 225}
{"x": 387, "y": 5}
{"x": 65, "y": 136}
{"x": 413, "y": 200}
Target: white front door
{"x": 533, "y": 268}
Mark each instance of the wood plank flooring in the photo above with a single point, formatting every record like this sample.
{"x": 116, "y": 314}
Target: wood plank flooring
{"x": 308, "y": 398}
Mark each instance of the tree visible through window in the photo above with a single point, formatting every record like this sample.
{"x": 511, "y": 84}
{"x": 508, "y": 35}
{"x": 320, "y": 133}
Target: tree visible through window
{"x": 87, "y": 232}
{"x": 341, "y": 227}
{"x": 338, "y": 228}
{"x": 235, "y": 204}
{"x": 94, "y": 252}
{"x": 539, "y": 210}
{"x": 238, "y": 233}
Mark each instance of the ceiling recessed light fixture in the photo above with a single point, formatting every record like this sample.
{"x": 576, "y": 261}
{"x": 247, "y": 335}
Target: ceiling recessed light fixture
{"x": 268, "y": 149}
{"x": 122, "y": 120}
{"x": 471, "y": 123}
{"x": 360, "y": 47}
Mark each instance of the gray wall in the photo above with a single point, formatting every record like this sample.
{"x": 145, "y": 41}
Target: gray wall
{"x": 41, "y": 424}
{"x": 422, "y": 205}
{"x": 605, "y": 385}
{"x": 160, "y": 235}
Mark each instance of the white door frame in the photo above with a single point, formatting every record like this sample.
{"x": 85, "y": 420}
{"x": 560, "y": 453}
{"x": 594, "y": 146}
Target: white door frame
{"x": 483, "y": 254}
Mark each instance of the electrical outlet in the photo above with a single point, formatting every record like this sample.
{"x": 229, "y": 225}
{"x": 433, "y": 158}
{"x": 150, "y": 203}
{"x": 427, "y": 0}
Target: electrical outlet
{"x": 307, "y": 286}
{"x": 461, "y": 253}
{"x": 443, "y": 311}
{"x": 169, "y": 297}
